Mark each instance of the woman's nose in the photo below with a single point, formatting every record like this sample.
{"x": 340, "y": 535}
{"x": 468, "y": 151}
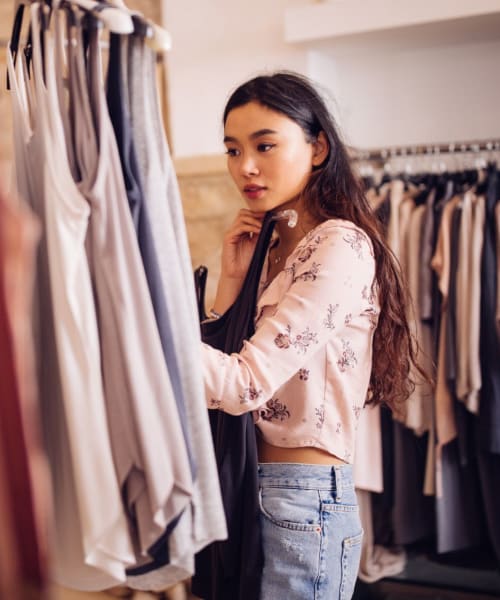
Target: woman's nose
{"x": 249, "y": 166}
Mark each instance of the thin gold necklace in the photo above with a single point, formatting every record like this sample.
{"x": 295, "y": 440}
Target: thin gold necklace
{"x": 276, "y": 259}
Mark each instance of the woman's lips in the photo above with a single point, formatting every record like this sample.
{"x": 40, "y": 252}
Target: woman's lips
{"x": 254, "y": 191}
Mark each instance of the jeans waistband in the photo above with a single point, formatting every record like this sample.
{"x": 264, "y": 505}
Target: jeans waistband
{"x": 337, "y": 478}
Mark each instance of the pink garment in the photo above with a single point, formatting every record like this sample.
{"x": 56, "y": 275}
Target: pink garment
{"x": 368, "y": 461}
{"x": 305, "y": 371}
{"x": 473, "y": 293}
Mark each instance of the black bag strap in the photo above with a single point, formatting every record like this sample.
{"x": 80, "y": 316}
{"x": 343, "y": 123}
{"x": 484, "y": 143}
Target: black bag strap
{"x": 200, "y": 284}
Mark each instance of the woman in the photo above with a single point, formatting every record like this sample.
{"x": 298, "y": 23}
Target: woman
{"x": 331, "y": 331}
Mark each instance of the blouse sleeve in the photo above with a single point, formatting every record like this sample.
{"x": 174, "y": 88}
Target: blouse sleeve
{"x": 332, "y": 276}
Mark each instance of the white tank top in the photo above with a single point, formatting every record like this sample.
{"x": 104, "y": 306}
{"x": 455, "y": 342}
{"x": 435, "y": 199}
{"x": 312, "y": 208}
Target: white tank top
{"x": 154, "y": 465}
{"x": 99, "y": 523}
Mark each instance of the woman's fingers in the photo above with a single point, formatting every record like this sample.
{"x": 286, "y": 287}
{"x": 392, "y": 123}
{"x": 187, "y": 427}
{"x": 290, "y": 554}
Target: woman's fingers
{"x": 239, "y": 243}
{"x": 242, "y": 229}
{"x": 247, "y": 216}
{"x": 245, "y": 223}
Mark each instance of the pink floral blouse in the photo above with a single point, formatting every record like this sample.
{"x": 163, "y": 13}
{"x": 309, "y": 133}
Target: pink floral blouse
{"x": 305, "y": 371}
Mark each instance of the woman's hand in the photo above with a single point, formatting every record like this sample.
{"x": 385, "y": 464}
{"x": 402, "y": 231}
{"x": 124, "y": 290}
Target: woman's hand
{"x": 237, "y": 251}
{"x": 239, "y": 244}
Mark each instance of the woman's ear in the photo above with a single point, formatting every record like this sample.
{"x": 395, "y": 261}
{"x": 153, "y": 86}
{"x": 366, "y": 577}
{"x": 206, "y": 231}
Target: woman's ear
{"x": 321, "y": 148}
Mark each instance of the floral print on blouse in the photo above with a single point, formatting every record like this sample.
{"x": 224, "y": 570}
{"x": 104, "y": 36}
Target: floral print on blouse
{"x": 305, "y": 371}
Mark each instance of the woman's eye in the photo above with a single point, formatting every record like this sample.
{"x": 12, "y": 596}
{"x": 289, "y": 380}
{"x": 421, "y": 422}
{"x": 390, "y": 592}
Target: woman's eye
{"x": 232, "y": 152}
{"x": 265, "y": 147}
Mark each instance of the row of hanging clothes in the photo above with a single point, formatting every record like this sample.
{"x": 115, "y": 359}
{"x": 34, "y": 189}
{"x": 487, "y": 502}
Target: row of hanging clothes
{"x": 120, "y": 398}
{"x": 434, "y": 480}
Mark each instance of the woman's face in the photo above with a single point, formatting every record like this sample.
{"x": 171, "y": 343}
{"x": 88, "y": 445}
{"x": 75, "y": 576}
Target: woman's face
{"x": 268, "y": 156}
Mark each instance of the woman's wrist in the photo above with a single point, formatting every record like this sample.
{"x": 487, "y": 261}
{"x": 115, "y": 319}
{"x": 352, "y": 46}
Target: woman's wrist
{"x": 227, "y": 292}
{"x": 213, "y": 314}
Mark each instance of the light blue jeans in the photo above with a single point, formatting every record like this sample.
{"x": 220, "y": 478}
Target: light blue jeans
{"x": 311, "y": 532}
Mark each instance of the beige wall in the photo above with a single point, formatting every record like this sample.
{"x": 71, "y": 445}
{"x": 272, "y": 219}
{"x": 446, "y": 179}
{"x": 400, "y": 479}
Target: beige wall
{"x": 211, "y": 201}
{"x": 149, "y": 8}
{"x": 218, "y": 44}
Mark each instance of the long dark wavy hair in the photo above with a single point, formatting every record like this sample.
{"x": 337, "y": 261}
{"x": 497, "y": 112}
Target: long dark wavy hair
{"x": 334, "y": 191}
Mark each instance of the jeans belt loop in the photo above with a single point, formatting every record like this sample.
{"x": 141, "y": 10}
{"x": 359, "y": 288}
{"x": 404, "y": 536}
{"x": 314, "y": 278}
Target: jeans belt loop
{"x": 338, "y": 483}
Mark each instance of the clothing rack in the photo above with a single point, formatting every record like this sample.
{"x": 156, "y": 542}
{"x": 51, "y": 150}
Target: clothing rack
{"x": 382, "y": 154}
{"x": 160, "y": 56}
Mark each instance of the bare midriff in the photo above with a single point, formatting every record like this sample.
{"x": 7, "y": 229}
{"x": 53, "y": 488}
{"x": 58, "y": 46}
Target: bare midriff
{"x": 306, "y": 455}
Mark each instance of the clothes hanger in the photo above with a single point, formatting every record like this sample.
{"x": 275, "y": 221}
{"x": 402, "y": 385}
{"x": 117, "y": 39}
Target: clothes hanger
{"x": 16, "y": 27}
{"x": 15, "y": 35}
{"x": 158, "y": 37}
{"x": 112, "y": 17}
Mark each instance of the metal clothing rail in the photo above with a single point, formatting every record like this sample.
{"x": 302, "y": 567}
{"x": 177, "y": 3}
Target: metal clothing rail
{"x": 160, "y": 56}
{"x": 381, "y": 154}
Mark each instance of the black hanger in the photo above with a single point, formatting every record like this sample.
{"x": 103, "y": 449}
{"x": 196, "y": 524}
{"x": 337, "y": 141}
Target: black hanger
{"x": 141, "y": 27}
{"x": 421, "y": 197}
{"x": 200, "y": 283}
{"x": 45, "y": 14}
{"x": 16, "y": 35}
{"x": 386, "y": 178}
{"x": 414, "y": 178}
{"x": 440, "y": 184}
{"x": 368, "y": 182}
{"x": 471, "y": 176}
{"x": 17, "y": 25}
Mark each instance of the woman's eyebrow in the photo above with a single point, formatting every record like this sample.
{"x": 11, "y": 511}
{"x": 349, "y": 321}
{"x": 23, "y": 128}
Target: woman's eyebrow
{"x": 254, "y": 135}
